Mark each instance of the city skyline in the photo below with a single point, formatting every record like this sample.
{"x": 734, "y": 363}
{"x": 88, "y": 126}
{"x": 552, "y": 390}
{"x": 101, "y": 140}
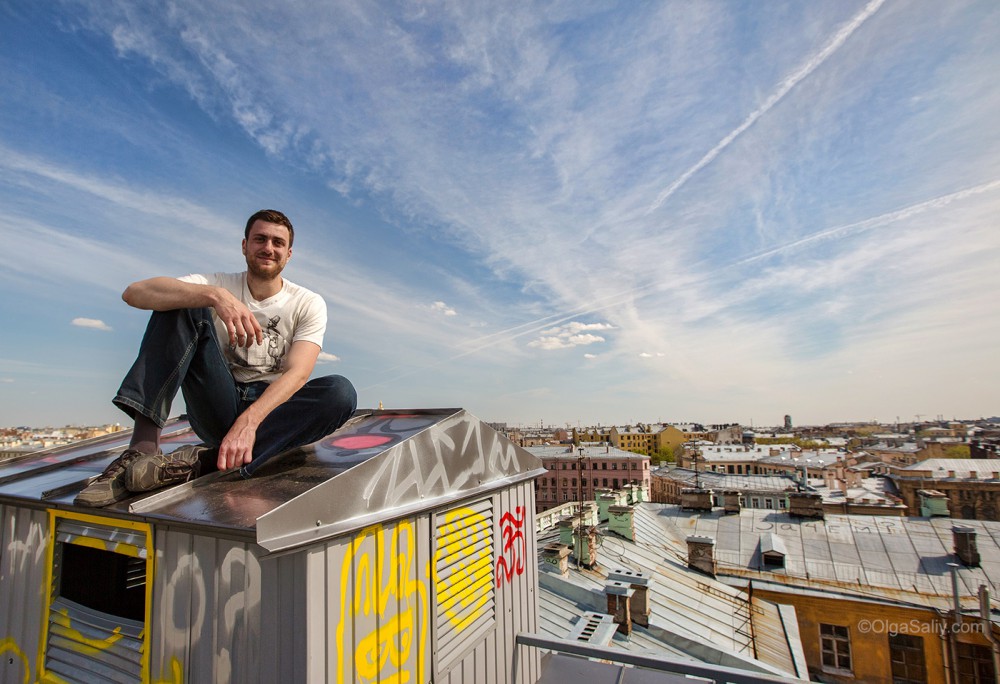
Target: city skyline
{"x": 581, "y": 212}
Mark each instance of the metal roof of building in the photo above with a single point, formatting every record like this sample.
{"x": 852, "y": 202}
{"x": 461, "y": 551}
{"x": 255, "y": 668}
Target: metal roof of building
{"x": 903, "y": 559}
{"x": 589, "y": 451}
{"x": 962, "y": 467}
{"x": 692, "y": 615}
{"x": 380, "y": 463}
{"x": 708, "y": 479}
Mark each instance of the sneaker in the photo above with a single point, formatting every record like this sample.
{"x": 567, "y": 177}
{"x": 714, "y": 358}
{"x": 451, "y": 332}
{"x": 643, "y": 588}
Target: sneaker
{"x": 152, "y": 471}
{"x": 109, "y": 486}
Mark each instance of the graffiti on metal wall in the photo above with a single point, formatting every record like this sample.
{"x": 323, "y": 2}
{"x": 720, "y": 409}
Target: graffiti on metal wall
{"x": 386, "y": 608}
{"x": 15, "y": 659}
{"x": 464, "y": 562}
{"x": 511, "y": 560}
{"x": 441, "y": 461}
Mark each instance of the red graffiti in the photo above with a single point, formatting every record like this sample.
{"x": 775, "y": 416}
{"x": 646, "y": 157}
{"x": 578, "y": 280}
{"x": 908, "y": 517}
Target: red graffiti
{"x": 514, "y": 548}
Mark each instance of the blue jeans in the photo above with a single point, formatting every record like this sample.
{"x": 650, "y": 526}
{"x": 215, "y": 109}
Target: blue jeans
{"x": 180, "y": 350}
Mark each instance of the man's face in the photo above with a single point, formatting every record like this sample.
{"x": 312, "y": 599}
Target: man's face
{"x": 266, "y": 249}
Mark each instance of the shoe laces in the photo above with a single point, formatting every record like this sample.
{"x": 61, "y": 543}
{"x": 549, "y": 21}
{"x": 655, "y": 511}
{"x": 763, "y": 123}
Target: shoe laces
{"x": 119, "y": 465}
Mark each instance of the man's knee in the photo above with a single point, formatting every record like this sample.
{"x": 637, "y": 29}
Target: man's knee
{"x": 335, "y": 391}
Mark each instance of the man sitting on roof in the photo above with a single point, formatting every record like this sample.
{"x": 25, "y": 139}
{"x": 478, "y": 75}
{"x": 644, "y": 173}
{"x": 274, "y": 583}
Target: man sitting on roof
{"x": 240, "y": 347}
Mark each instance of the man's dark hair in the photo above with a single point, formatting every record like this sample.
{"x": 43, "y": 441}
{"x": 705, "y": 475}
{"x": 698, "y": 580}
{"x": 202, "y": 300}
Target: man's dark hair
{"x": 270, "y": 216}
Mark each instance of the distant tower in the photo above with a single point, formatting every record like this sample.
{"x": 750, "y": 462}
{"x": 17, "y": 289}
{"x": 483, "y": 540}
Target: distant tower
{"x": 788, "y": 422}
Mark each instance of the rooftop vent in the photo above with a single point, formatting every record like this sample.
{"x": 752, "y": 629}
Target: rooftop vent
{"x": 772, "y": 551}
{"x": 593, "y": 628}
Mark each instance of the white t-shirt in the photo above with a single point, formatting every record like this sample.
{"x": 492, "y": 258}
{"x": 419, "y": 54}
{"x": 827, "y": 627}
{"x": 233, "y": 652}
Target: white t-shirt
{"x": 293, "y": 314}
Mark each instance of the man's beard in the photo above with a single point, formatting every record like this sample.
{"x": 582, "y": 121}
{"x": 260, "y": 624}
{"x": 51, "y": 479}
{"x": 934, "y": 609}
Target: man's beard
{"x": 256, "y": 271}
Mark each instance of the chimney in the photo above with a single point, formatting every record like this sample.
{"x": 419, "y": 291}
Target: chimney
{"x": 701, "y": 554}
{"x": 567, "y": 528}
{"x": 620, "y": 521}
{"x": 557, "y": 555}
{"x": 965, "y": 545}
{"x": 731, "y": 500}
{"x": 805, "y": 505}
{"x": 619, "y": 604}
{"x": 696, "y": 499}
{"x": 587, "y": 550}
{"x": 605, "y": 502}
{"x": 590, "y": 514}
{"x": 639, "y": 582}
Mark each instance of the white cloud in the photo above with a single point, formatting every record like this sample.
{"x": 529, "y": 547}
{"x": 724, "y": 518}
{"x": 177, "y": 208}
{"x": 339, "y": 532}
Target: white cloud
{"x": 94, "y": 323}
{"x": 590, "y": 356}
{"x": 324, "y": 357}
{"x": 443, "y": 308}
{"x": 569, "y": 335}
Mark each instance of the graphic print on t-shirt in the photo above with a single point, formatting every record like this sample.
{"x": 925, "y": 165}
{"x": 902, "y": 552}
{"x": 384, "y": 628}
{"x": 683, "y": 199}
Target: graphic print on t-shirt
{"x": 265, "y": 357}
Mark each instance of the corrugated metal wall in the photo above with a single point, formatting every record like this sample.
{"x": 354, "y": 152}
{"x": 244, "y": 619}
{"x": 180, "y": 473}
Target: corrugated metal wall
{"x": 206, "y": 610}
{"x": 396, "y": 599}
{"x": 23, "y": 543}
{"x": 516, "y": 600}
{"x": 356, "y": 609}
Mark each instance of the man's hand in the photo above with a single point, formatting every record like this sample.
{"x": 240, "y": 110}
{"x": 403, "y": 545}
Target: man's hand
{"x": 236, "y": 449}
{"x": 242, "y": 326}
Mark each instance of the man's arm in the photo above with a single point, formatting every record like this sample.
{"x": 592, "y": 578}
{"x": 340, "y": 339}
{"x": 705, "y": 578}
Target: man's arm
{"x": 237, "y": 447}
{"x": 167, "y": 294}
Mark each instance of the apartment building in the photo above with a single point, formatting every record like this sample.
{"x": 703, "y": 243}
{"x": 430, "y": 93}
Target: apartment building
{"x": 575, "y": 473}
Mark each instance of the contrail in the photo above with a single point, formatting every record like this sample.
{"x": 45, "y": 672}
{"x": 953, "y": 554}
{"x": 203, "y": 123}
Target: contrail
{"x": 616, "y": 298}
{"x": 881, "y": 219}
{"x": 811, "y": 65}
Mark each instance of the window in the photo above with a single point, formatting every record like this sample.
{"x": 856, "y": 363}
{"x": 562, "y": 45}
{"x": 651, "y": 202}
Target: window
{"x": 975, "y": 664}
{"x": 906, "y": 653}
{"x": 835, "y": 645}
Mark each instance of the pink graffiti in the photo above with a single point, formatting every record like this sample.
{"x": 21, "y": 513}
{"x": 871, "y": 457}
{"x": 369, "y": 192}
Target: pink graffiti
{"x": 514, "y": 547}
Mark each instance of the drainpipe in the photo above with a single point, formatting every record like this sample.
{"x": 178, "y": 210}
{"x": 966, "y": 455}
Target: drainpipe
{"x": 984, "y": 615}
{"x": 954, "y": 592}
{"x": 953, "y": 633}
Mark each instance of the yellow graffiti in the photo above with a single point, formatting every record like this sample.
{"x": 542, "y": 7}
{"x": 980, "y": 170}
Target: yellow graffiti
{"x": 9, "y": 645}
{"x": 464, "y": 548}
{"x": 388, "y": 590}
{"x": 176, "y": 673}
{"x": 86, "y": 645}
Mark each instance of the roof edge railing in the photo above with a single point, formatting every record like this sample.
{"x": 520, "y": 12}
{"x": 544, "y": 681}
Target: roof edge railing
{"x": 715, "y": 673}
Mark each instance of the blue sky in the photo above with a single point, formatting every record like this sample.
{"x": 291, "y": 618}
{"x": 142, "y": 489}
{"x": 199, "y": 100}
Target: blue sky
{"x": 568, "y": 212}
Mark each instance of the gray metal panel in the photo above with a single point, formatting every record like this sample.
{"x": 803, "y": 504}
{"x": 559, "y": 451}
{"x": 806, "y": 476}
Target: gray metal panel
{"x": 366, "y": 593}
{"x": 454, "y": 456}
{"x": 283, "y": 600}
{"x": 206, "y": 609}
{"x": 24, "y": 534}
{"x": 487, "y": 653}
